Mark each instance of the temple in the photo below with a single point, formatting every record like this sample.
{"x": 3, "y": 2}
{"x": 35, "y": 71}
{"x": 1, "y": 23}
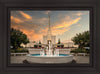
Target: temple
{"x": 49, "y": 36}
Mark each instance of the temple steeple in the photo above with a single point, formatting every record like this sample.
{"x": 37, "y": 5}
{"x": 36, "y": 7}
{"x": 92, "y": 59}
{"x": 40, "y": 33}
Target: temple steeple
{"x": 49, "y": 37}
{"x": 49, "y": 29}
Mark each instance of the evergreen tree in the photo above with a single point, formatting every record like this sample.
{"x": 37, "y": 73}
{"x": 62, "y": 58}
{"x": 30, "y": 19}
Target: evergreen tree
{"x": 59, "y": 42}
{"x": 39, "y": 43}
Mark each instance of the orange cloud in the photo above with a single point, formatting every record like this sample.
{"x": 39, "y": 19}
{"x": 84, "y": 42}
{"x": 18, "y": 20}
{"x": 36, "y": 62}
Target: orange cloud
{"x": 30, "y": 33}
{"x": 78, "y": 25}
{"x": 67, "y": 24}
{"x": 15, "y": 27}
{"x": 65, "y": 17}
{"x": 60, "y": 28}
{"x": 43, "y": 31}
{"x": 53, "y": 31}
{"x": 16, "y": 20}
{"x": 25, "y": 15}
{"x": 42, "y": 20}
{"x": 59, "y": 31}
{"x": 78, "y": 14}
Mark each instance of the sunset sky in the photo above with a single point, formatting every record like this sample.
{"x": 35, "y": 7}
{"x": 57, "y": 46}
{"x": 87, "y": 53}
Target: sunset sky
{"x": 64, "y": 24}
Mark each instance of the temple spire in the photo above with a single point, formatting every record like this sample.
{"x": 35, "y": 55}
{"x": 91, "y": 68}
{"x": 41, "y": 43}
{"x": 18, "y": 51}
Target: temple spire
{"x": 49, "y": 28}
{"x": 49, "y": 23}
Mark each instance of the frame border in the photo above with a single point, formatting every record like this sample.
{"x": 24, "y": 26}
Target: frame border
{"x": 5, "y": 68}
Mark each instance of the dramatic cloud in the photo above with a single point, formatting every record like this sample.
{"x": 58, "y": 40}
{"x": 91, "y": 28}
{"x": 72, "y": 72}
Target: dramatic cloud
{"x": 25, "y": 15}
{"x": 78, "y": 25}
{"x": 36, "y": 25}
{"x": 16, "y": 20}
{"x": 59, "y": 31}
{"x": 40, "y": 20}
{"x": 32, "y": 35}
{"x": 79, "y": 14}
{"x": 43, "y": 31}
{"x": 29, "y": 32}
{"x": 36, "y": 33}
{"x": 67, "y": 23}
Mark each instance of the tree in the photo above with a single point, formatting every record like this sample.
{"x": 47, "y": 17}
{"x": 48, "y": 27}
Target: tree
{"x": 62, "y": 46}
{"x": 35, "y": 46}
{"x": 81, "y": 39}
{"x": 18, "y": 37}
{"x": 39, "y": 43}
{"x": 59, "y": 42}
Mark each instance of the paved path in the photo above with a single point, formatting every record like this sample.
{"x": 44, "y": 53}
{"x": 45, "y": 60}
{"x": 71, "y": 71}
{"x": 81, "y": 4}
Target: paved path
{"x": 79, "y": 59}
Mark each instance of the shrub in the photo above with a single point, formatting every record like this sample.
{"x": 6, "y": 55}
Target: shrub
{"x": 19, "y": 50}
{"x": 80, "y": 51}
{"x": 12, "y": 51}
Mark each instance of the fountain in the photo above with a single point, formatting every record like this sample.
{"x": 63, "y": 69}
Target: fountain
{"x": 49, "y": 54}
{"x": 50, "y": 51}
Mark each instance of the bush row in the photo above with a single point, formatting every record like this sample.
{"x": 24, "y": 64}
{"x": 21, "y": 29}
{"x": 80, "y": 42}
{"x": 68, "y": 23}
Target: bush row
{"x": 19, "y": 50}
{"x": 79, "y": 51}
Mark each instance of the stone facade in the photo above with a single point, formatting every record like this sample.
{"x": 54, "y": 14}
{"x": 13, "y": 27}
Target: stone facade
{"x": 53, "y": 39}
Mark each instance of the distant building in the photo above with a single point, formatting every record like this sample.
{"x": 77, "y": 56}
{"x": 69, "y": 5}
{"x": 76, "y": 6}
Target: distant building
{"x": 70, "y": 44}
{"x": 30, "y": 44}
